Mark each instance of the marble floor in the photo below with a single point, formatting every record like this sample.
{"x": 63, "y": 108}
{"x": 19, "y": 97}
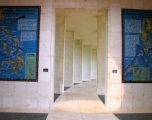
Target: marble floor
{"x": 80, "y": 103}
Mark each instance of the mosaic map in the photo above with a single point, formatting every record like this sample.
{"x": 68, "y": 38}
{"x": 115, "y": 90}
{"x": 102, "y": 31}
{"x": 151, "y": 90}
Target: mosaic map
{"x": 137, "y": 43}
{"x": 18, "y": 42}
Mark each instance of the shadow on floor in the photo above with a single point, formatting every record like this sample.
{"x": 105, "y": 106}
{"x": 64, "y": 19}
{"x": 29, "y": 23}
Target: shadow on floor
{"x": 134, "y": 116}
{"x": 76, "y": 83}
{"x": 22, "y": 116}
{"x": 102, "y": 98}
{"x": 65, "y": 88}
{"x": 56, "y": 96}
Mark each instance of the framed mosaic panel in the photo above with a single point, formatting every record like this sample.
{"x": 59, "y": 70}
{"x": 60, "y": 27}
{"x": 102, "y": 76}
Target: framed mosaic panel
{"x": 19, "y": 43}
{"x": 136, "y": 46}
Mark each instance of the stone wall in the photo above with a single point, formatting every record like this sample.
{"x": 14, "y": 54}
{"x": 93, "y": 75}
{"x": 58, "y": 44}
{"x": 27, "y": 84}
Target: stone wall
{"x": 40, "y": 94}
{"x": 119, "y": 95}
{"x": 34, "y": 94}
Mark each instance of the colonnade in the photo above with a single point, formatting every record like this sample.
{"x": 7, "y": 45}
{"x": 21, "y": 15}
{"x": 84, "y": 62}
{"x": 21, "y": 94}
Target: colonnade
{"x": 76, "y": 62}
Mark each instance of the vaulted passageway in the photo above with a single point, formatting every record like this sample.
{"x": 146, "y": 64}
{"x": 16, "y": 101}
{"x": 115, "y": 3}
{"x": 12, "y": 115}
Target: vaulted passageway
{"x": 80, "y": 48}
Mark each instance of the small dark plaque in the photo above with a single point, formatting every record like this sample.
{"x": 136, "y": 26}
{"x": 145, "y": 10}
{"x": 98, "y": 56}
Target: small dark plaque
{"x": 114, "y": 71}
{"x": 45, "y": 70}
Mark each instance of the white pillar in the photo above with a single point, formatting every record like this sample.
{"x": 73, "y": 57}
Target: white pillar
{"x": 59, "y": 55}
{"x": 77, "y": 61}
{"x": 86, "y": 63}
{"x": 94, "y": 64}
{"x": 68, "y": 61}
{"x": 101, "y": 54}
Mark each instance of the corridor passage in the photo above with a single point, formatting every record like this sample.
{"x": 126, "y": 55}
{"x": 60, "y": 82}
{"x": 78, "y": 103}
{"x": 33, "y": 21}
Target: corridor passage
{"x": 80, "y": 103}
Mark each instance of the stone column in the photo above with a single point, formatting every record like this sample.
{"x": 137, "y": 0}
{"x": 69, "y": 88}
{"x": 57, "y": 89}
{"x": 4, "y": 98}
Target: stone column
{"x": 68, "y": 59}
{"x": 94, "y": 64}
{"x": 101, "y": 53}
{"x": 59, "y": 54}
{"x": 77, "y": 78}
{"x": 86, "y": 63}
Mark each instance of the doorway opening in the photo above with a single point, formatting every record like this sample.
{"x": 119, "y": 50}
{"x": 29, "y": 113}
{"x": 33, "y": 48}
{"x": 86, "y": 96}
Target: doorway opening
{"x": 80, "y": 38}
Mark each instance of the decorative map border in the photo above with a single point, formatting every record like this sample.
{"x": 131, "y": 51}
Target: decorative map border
{"x": 37, "y": 48}
{"x": 123, "y": 48}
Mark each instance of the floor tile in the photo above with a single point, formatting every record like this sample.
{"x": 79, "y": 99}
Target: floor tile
{"x": 80, "y": 102}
